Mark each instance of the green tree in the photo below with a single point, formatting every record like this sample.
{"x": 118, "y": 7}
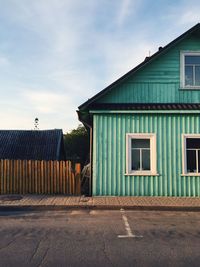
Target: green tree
{"x": 77, "y": 145}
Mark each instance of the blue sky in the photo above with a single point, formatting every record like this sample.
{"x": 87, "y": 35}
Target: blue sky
{"x": 55, "y": 54}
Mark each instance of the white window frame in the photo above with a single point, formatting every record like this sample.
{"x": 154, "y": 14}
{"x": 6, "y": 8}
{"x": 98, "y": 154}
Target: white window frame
{"x": 182, "y": 68}
{"x": 153, "y": 161}
{"x": 184, "y": 158}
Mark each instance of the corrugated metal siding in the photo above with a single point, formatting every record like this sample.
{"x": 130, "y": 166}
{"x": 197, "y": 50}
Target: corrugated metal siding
{"x": 109, "y": 150}
{"x": 158, "y": 81}
{"x": 152, "y": 93}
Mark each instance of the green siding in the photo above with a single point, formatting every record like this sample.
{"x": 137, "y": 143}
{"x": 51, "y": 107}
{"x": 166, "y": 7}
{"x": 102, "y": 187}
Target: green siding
{"x": 158, "y": 81}
{"x": 109, "y": 155}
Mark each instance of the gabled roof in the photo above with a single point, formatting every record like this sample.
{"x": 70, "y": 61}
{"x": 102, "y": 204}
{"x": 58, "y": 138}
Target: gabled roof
{"x": 31, "y": 145}
{"x": 161, "y": 50}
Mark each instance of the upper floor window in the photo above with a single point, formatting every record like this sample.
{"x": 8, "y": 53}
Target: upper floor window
{"x": 190, "y": 70}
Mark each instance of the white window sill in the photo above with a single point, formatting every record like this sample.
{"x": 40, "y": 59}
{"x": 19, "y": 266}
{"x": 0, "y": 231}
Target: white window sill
{"x": 190, "y": 174}
{"x": 141, "y": 174}
{"x": 190, "y": 88}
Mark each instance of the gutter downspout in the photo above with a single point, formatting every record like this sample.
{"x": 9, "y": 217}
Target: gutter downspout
{"x": 91, "y": 161}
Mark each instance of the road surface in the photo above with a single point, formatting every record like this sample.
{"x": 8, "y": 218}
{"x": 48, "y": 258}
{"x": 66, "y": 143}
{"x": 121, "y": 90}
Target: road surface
{"x": 99, "y": 238}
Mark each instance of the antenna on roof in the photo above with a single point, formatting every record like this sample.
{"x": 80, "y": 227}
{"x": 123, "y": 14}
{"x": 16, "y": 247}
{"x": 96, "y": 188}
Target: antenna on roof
{"x": 36, "y": 124}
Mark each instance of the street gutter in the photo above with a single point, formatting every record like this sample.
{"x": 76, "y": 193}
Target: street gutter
{"x": 95, "y": 207}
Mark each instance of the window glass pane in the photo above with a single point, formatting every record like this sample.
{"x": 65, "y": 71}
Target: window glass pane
{"x": 145, "y": 159}
{"x": 199, "y": 161}
{"x": 193, "y": 143}
{"x": 135, "y": 159}
{"x": 188, "y": 75}
{"x": 191, "y": 161}
{"x": 192, "y": 59}
{"x": 140, "y": 143}
{"x": 197, "y": 75}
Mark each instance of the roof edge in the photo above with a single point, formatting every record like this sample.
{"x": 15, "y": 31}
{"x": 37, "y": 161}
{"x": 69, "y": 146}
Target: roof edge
{"x": 144, "y": 106}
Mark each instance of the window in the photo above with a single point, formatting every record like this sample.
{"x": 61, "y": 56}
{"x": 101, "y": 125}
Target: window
{"x": 190, "y": 70}
{"x": 141, "y": 154}
{"x": 191, "y": 162}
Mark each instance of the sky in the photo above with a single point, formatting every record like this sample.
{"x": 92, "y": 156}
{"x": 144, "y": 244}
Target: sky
{"x": 55, "y": 54}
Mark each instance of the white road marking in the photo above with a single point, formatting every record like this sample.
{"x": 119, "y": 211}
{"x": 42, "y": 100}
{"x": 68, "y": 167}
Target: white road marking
{"x": 127, "y": 227}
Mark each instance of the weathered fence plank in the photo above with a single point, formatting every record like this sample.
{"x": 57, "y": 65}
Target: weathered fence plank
{"x": 39, "y": 177}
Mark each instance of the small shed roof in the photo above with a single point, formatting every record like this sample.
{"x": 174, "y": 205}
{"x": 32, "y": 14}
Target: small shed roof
{"x": 32, "y": 144}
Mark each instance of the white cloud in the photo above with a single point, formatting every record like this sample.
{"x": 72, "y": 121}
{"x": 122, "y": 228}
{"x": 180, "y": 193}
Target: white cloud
{"x": 184, "y": 15}
{"x": 124, "y": 11}
{"x": 44, "y": 101}
{"x": 54, "y": 110}
{"x": 127, "y": 8}
{"x": 4, "y": 61}
{"x": 189, "y": 17}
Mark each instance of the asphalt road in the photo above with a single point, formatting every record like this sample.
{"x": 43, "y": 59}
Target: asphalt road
{"x": 99, "y": 238}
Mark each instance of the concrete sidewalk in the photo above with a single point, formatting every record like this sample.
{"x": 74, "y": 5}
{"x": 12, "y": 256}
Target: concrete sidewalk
{"x": 50, "y": 202}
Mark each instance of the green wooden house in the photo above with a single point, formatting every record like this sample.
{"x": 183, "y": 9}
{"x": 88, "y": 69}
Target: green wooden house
{"x": 145, "y": 127}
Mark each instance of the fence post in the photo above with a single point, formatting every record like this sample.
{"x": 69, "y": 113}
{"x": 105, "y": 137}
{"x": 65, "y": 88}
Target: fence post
{"x": 77, "y": 178}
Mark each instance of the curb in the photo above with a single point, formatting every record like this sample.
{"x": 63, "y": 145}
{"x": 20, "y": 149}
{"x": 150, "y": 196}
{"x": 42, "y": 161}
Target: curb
{"x": 96, "y": 207}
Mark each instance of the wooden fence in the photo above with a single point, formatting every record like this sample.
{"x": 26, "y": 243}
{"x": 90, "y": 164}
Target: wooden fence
{"x": 39, "y": 177}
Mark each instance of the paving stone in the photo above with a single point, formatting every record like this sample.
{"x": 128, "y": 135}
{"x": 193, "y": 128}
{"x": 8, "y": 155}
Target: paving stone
{"x": 80, "y": 201}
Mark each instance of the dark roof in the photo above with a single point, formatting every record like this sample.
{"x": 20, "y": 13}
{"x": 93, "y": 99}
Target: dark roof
{"x": 86, "y": 104}
{"x": 35, "y": 144}
{"x": 145, "y": 106}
